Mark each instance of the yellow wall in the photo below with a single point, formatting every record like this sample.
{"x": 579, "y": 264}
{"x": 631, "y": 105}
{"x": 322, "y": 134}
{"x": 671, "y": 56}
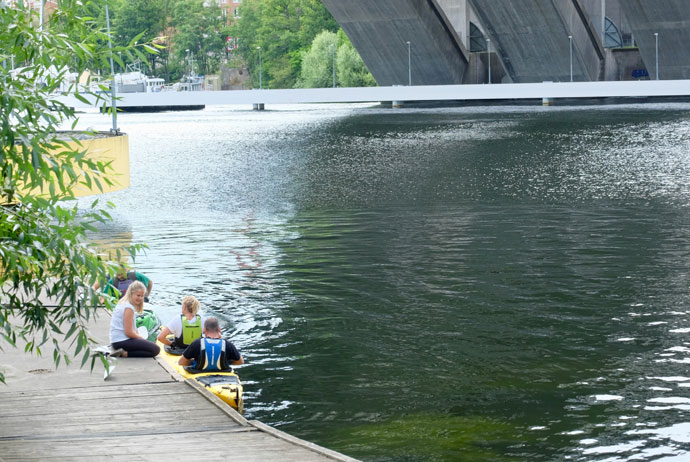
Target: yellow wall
{"x": 114, "y": 149}
{"x": 111, "y": 148}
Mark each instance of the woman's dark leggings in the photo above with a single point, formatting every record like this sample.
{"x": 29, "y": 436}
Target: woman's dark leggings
{"x": 138, "y": 348}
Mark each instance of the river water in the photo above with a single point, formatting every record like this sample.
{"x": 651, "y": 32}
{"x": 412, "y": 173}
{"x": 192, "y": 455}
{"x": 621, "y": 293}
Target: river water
{"x": 484, "y": 284}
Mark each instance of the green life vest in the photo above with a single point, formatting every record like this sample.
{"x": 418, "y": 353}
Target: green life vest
{"x": 190, "y": 330}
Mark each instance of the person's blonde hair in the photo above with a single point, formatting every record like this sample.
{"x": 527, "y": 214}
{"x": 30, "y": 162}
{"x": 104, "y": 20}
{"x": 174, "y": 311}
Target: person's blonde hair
{"x": 136, "y": 286}
{"x": 191, "y": 304}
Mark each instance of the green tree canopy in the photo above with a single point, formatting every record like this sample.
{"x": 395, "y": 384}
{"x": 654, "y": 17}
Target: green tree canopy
{"x": 350, "y": 69}
{"x": 284, "y": 29}
{"x": 200, "y": 28}
{"x": 317, "y": 63}
{"x": 144, "y": 19}
{"x": 43, "y": 246}
{"x": 134, "y": 17}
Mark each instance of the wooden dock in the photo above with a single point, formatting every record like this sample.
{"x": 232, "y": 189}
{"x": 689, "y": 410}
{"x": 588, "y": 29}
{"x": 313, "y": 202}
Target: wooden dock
{"x": 141, "y": 413}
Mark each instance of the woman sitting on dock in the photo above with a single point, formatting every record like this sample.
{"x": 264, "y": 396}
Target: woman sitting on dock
{"x": 124, "y": 338}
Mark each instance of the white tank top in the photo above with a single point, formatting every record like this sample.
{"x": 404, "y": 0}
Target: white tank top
{"x": 117, "y": 323}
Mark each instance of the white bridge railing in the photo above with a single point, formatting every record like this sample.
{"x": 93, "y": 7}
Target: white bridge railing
{"x": 545, "y": 90}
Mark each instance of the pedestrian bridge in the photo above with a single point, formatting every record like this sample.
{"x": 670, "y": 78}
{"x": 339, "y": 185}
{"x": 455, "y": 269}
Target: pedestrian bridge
{"x": 545, "y": 91}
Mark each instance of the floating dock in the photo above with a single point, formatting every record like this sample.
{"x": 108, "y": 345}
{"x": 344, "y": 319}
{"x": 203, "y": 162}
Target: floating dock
{"x": 143, "y": 412}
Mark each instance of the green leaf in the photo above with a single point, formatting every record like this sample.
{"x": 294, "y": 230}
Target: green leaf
{"x": 71, "y": 331}
{"x": 35, "y": 159}
{"x": 81, "y": 98}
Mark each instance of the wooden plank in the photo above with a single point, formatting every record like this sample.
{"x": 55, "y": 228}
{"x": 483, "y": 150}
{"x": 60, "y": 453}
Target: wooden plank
{"x": 114, "y": 408}
{"x": 245, "y": 446}
{"x": 247, "y": 437}
{"x": 106, "y": 424}
{"x": 144, "y": 389}
{"x": 48, "y": 403}
{"x": 217, "y": 402}
{"x": 110, "y": 436}
{"x": 87, "y": 398}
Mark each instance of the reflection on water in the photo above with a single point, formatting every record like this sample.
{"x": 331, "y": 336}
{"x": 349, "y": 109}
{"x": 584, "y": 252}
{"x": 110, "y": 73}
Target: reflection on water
{"x": 433, "y": 285}
{"x": 111, "y": 242}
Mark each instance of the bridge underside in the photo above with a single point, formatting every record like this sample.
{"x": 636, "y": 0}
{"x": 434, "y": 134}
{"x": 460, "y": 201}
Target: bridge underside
{"x": 525, "y": 41}
{"x": 531, "y": 39}
{"x": 671, "y": 20}
{"x": 380, "y": 31}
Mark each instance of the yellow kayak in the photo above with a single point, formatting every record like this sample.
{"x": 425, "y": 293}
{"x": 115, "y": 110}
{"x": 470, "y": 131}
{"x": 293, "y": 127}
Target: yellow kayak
{"x": 224, "y": 384}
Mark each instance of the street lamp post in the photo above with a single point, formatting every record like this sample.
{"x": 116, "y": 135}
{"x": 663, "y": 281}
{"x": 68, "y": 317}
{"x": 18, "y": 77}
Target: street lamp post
{"x": 570, "y": 38}
{"x": 260, "y": 83}
{"x": 656, "y": 40}
{"x": 409, "y": 64}
{"x": 488, "y": 56}
{"x": 333, "y": 53}
{"x": 113, "y": 86}
{"x": 40, "y": 27}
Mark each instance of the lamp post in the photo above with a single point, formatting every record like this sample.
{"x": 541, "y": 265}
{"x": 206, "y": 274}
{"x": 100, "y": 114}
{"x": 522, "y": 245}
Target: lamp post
{"x": 40, "y": 27}
{"x": 488, "y": 56}
{"x": 113, "y": 90}
{"x": 656, "y": 40}
{"x": 333, "y": 53}
{"x": 570, "y": 38}
{"x": 260, "y": 83}
{"x": 603, "y": 21}
{"x": 409, "y": 64}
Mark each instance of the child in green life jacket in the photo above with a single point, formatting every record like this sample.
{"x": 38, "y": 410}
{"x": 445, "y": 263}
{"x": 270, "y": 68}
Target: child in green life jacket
{"x": 186, "y": 327}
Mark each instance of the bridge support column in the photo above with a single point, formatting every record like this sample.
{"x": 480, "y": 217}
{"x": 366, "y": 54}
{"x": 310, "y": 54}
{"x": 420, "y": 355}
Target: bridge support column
{"x": 258, "y": 106}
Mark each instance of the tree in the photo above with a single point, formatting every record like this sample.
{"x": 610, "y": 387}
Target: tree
{"x": 284, "y": 29}
{"x": 317, "y": 63}
{"x": 350, "y": 69}
{"x": 138, "y": 18}
{"x": 199, "y": 28}
{"x": 43, "y": 246}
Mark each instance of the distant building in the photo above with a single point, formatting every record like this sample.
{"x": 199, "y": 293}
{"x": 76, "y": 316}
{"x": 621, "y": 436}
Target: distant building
{"x": 231, "y": 9}
{"x": 48, "y": 5}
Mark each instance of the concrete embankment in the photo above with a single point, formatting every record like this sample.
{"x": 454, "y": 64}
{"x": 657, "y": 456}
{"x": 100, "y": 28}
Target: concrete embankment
{"x": 141, "y": 413}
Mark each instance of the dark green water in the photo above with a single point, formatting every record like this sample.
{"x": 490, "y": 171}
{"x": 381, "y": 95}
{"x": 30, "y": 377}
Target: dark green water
{"x": 501, "y": 284}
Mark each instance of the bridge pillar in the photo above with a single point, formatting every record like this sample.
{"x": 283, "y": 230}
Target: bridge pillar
{"x": 399, "y": 38}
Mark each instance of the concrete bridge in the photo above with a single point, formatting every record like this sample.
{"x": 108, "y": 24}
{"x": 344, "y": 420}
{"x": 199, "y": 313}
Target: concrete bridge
{"x": 525, "y": 41}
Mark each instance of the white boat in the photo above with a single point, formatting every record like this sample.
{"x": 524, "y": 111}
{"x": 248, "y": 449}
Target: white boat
{"x": 190, "y": 82}
{"x": 135, "y": 81}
